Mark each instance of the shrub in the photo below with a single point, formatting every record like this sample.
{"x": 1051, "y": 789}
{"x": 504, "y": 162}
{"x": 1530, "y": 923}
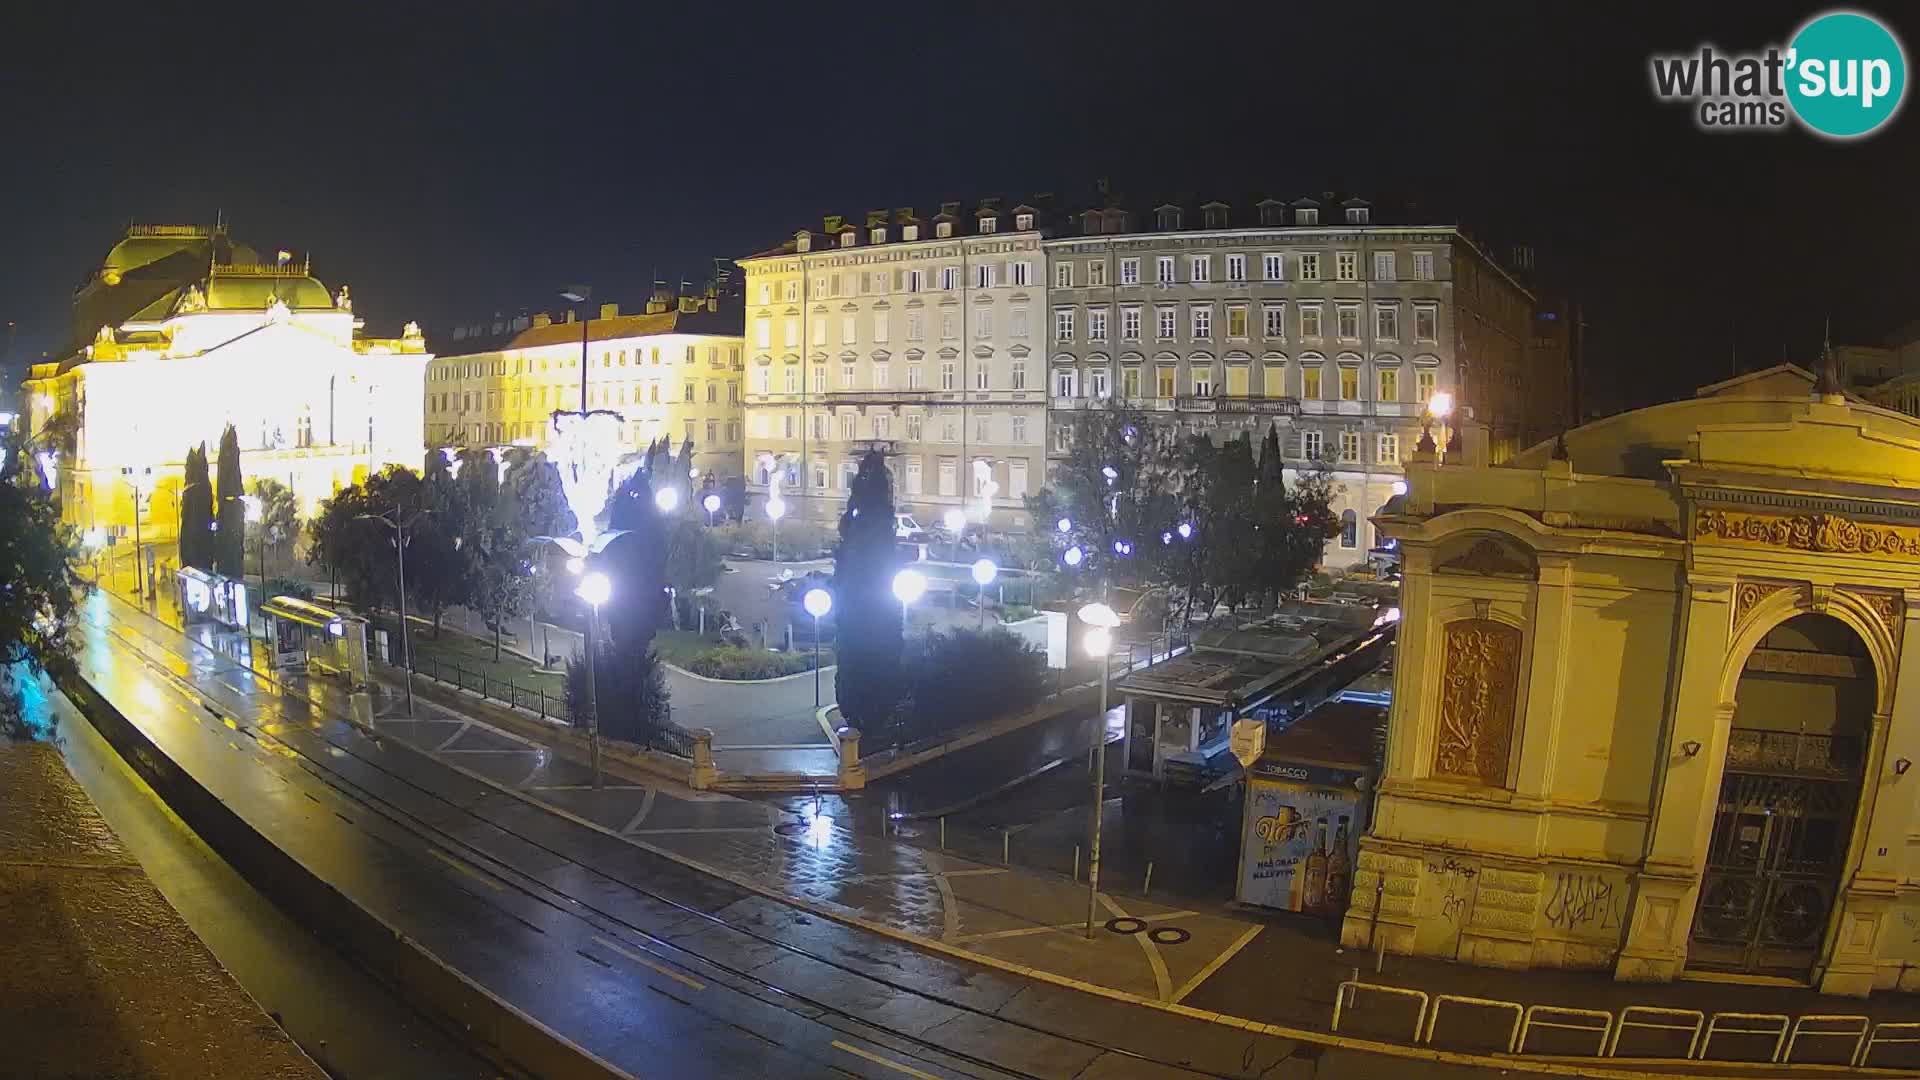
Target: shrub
{"x": 1017, "y": 613}
{"x": 286, "y": 586}
{"x": 755, "y": 538}
{"x": 965, "y": 676}
{"x": 728, "y": 662}
{"x": 632, "y": 695}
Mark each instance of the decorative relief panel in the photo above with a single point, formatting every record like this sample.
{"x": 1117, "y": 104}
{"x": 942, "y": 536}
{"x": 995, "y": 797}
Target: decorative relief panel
{"x": 1749, "y": 596}
{"x": 1479, "y": 684}
{"x": 1809, "y": 532}
{"x": 1888, "y": 607}
{"x": 1490, "y": 557}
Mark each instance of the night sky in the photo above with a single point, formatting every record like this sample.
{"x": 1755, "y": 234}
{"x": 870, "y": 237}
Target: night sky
{"x": 456, "y": 160}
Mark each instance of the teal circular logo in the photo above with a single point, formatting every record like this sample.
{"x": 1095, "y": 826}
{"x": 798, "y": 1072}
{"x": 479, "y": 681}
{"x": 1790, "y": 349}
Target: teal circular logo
{"x": 1847, "y": 74}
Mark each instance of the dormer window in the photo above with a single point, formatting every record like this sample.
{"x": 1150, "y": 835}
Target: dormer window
{"x": 909, "y": 232}
{"x": 1272, "y": 213}
{"x": 879, "y": 235}
{"x": 943, "y": 229}
{"x": 848, "y": 238}
{"x": 989, "y": 224}
{"x": 1023, "y": 222}
{"x": 1307, "y": 215}
{"x": 802, "y": 242}
{"x": 1169, "y": 217}
{"x": 1216, "y": 217}
{"x": 1357, "y": 215}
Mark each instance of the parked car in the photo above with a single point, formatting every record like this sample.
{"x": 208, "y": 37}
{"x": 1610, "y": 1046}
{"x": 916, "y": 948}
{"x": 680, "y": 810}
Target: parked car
{"x": 905, "y": 527}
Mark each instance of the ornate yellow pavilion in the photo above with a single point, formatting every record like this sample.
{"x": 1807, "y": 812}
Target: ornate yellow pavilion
{"x": 182, "y": 331}
{"x": 1652, "y": 709}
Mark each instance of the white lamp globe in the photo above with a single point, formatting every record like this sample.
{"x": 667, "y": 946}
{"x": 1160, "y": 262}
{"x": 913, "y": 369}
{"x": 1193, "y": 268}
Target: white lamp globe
{"x": 595, "y": 588}
{"x": 666, "y": 499}
{"x": 776, "y": 508}
{"x": 817, "y": 602}
{"x": 711, "y": 504}
{"x": 984, "y": 571}
{"x": 908, "y": 585}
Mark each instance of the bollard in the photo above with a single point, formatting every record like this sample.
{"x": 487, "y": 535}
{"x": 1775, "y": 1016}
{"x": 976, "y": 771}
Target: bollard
{"x": 943, "y": 832}
{"x": 704, "y": 772}
{"x": 1004, "y": 848}
{"x": 1373, "y": 928}
{"x": 1076, "y": 862}
{"x": 1147, "y": 886}
{"x": 853, "y": 777}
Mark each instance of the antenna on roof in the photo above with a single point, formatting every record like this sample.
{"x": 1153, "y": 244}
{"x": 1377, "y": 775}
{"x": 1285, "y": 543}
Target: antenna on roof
{"x": 1828, "y": 386}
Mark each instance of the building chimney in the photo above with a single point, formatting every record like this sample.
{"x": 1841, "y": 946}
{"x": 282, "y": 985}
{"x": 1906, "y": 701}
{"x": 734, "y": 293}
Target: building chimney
{"x": 540, "y": 319}
{"x": 689, "y": 300}
{"x": 831, "y": 224}
{"x": 609, "y": 311}
{"x": 570, "y": 316}
{"x": 662, "y": 299}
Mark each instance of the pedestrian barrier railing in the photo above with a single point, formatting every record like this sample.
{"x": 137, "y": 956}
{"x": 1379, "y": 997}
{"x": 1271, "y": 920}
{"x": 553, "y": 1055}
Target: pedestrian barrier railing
{"x": 1905, "y": 1034}
{"x": 1350, "y": 990}
{"x": 1658, "y": 1019}
{"x": 533, "y": 699}
{"x": 1565, "y": 1019}
{"x": 1855, "y": 1029}
{"x": 1513, "y": 1034}
{"x": 1740, "y": 1023}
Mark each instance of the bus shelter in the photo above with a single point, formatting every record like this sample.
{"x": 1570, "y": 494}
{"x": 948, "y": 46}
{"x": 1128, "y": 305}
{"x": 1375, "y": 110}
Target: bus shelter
{"x": 305, "y": 636}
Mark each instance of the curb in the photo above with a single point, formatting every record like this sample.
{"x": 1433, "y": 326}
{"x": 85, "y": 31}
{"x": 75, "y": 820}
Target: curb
{"x": 820, "y": 717}
{"x": 747, "y": 682}
{"x": 496, "y": 1029}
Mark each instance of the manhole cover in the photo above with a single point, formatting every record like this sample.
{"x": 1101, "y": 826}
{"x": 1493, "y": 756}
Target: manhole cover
{"x": 790, "y": 828}
{"x": 1126, "y": 924}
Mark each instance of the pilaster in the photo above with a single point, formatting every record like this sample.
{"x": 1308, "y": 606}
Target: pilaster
{"x": 1546, "y": 676}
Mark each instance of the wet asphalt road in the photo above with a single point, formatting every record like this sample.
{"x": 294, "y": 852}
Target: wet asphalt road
{"x": 645, "y": 963}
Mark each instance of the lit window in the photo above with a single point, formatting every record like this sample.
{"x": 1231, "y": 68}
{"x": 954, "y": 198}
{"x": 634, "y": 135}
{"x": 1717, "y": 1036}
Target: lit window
{"x": 1346, "y": 266}
{"x": 1349, "y": 447}
{"x": 1350, "y": 385}
{"x": 1389, "y": 388}
{"x": 1310, "y": 385}
{"x": 1237, "y": 321}
{"x": 1389, "y": 449}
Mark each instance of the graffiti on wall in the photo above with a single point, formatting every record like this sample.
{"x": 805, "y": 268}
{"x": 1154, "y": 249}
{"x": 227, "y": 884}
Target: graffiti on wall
{"x": 1585, "y": 902}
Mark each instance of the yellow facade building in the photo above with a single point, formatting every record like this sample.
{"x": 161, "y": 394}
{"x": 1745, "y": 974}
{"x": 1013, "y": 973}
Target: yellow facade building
{"x": 673, "y": 370}
{"x": 182, "y": 331}
{"x": 1653, "y": 709}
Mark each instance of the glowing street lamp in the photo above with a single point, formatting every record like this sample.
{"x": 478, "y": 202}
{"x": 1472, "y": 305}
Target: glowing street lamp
{"x": 817, "y": 602}
{"x": 1065, "y": 525}
{"x": 711, "y": 504}
{"x": 776, "y": 509}
{"x": 1440, "y": 404}
{"x": 1185, "y": 530}
{"x": 1100, "y": 620}
{"x": 1073, "y": 556}
{"x": 667, "y": 499}
{"x": 595, "y": 588}
{"x": 984, "y": 571}
{"x": 140, "y": 478}
{"x": 908, "y": 586}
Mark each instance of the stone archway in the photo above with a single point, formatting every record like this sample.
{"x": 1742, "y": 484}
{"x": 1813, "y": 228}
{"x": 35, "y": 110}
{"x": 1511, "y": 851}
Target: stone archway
{"x": 1804, "y": 706}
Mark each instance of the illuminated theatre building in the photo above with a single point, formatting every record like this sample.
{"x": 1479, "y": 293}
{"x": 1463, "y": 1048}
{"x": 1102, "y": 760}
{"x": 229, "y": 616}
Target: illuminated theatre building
{"x": 1654, "y": 710}
{"x": 182, "y": 331}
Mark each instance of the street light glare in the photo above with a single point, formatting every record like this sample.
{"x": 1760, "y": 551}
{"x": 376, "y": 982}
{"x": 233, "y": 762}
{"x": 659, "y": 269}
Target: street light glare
{"x": 817, "y": 602}
{"x": 1440, "y": 404}
{"x": 908, "y": 585}
{"x": 1073, "y": 556}
{"x": 1065, "y": 525}
{"x": 1186, "y": 530}
{"x": 576, "y": 564}
{"x": 1099, "y": 615}
{"x": 711, "y": 504}
{"x": 1099, "y": 641}
{"x": 667, "y": 498}
{"x": 595, "y": 588}
{"x": 955, "y": 520}
{"x": 1399, "y": 487}
{"x": 984, "y": 571}
{"x": 776, "y": 509}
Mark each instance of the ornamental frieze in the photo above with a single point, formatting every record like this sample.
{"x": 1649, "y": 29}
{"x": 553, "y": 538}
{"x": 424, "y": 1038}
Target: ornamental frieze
{"x": 1809, "y": 532}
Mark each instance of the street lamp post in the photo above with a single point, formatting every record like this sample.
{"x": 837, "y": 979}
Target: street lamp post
{"x": 776, "y": 509}
{"x": 400, "y": 576}
{"x": 1100, "y": 644}
{"x": 594, "y": 588}
{"x": 138, "y": 478}
{"x": 711, "y": 504}
{"x": 984, "y": 571}
{"x": 908, "y": 585}
{"x": 817, "y": 602}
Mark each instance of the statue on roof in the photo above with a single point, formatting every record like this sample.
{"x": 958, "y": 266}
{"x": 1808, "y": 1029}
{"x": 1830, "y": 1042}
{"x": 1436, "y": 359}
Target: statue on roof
{"x": 278, "y": 311}
{"x": 411, "y": 330}
{"x": 344, "y": 301}
{"x": 193, "y": 300}
{"x": 105, "y": 336}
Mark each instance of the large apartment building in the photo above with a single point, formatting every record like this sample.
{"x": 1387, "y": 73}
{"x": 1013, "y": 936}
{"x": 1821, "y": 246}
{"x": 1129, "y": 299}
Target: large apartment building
{"x": 675, "y": 369}
{"x": 924, "y": 338}
{"x": 1310, "y": 315}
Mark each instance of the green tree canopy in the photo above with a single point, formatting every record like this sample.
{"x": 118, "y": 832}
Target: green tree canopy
{"x": 196, "y": 512}
{"x": 230, "y": 538}
{"x": 868, "y": 682}
{"x": 37, "y": 581}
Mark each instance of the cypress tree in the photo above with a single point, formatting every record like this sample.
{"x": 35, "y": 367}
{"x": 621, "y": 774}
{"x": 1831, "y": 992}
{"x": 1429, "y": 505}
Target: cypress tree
{"x": 230, "y": 540}
{"x": 869, "y": 681}
{"x": 196, "y": 512}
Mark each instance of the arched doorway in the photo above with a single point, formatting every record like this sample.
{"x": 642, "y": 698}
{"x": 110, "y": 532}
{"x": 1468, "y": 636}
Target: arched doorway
{"x": 1788, "y": 797}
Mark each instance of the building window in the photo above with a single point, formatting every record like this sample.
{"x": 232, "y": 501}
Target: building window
{"x": 1200, "y": 268}
{"x": 791, "y": 337}
{"x": 880, "y": 326}
{"x": 1096, "y": 272}
{"x": 1310, "y": 382}
{"x": 983, "y": 276}
{"x": 948, "y": 379}
{"x": 1237, "y": 321}
{"x": 686, "y": 392}
{"x": 733, "y": 431}
{"x": 1063, "y": 275}
{"x": 1163, "y": 382}
{"x": 847, "y": 428}
{"x": 1383, "y": 266}
{"x": 820, "y": 474}
{"x": 1023, "y": 222}
{"x": 1386, "y": 322}
{"x": 1349, "y": 529}
{"x": 1203, "y": 380}
{"x": 1348, "y": 321}
{"x": 1017, "y": 374}
{"x": 1272, "y": 267}
{"x": 1350, "y": 446}
{"x": 1062, "y": 438}
{"x": 880, "y": 377}
{"x": 1097, "y": 324}
{"x": 1020, "y": 271}
{"x": 1310, "y": 447}
{"x": 948, "y": 326}
{"x": 989, "y": 224}
{"x": 913, "y": 475}
{"x": 1202, "y": 322}
{"x": 1346, "y": 266}
{"x": 1063, "y": 324}
{"x": 1349, "y": 384}
{"x": 982, "y": 375}
{"x": 846, "y": 377}
{"x": 982, "y": 433}
{"x": 819, "y": 379}
{"x": 1389, "y": 384}
{"x": 1097, "y": 383}
{"x": 1017, "y": 322}
{"x": 1426, "y": 322}
{"x": 1130, "y": 382}
{"x": 949, "y": 276}
{"x": 913, "y": 377}
{"x": 1306, "y": 215}
{"x": 913, "y": 434}
{"x": 1129, "y": 271}
{"x": 1129, "y": 324}
{"x": 1358, "y": 215}
{"x": 1163, "y": 269}
{"x": 1273, "y": 322}
{"x": 916, "y": 326}
{"x": 1066, "y": 382}
{"x": 1018, "y": 430}
{"x": 1389, "y": 449}
{"x": 1423, "y": 266}
{"x": 943, "y": 229}
{"x": 1424, "y": 384}
{"x": 1166, "y": 323}
{"x": 882, "y": 426}
{"x": 949, "y": 476}
{"x": 762, "y": 333}
{"x": 786, "y": 423}
{"x": 1310, "y": 321}
{"x": 762, "y": 381}
{"x": 713, "y": 393}
{"x": 820, "y": 427}
{"x": 1310, "y": 266}
{"x": 1236, "y": 268}
{"x": 916, "y": 279}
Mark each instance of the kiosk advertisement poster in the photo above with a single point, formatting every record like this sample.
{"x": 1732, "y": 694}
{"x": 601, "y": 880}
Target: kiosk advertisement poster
{"x": 1298, "y": 838}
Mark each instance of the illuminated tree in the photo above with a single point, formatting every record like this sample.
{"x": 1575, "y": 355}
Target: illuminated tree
{"x": 37, "y": 554}
{"x": 869, "y": 682}
{"x": 196, "y": 512}
{"x": 279, "y": 519}
{"x": 230, "y": 539}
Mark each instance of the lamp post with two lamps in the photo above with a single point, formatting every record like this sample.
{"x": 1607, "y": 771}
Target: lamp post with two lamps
{"x": 1100, "y": 620}
{"x": 400, "y": 528}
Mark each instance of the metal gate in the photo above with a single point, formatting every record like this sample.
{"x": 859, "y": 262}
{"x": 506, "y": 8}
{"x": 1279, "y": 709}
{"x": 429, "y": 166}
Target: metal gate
{"x": 1779, "y": 845}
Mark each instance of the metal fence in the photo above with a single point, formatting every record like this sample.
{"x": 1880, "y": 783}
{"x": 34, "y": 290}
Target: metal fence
{"x": 534, "y": 699}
